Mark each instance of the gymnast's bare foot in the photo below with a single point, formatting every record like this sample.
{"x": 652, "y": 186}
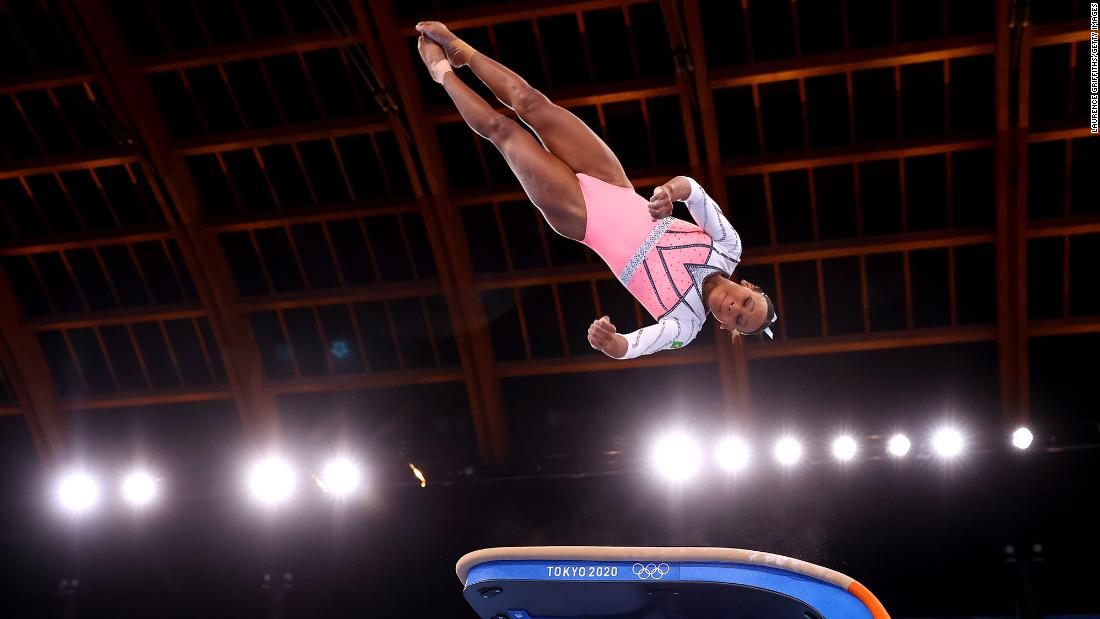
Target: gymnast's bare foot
{"x": 434, "y": 58}
{"x": 458, "y": 52}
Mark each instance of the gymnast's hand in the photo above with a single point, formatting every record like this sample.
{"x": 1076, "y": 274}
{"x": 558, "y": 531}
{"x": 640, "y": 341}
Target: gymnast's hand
{"x": 660, "y": 205}
{"x": 603, "y": 337}
{"x": 675, "y": 190}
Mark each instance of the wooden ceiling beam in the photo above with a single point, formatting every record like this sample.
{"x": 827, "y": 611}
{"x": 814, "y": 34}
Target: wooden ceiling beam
{"x": 43, "y": 81}
{"x": 1070, "y": 130}
{"x": 1080, "y": 325}
{"x": 158, "y": 398}
{"x": 368, "y": 380}
{"x": 351, "y": 294}
{"x": 1059, "y": 33}
{"x": 694, "y": 355}
{"x": 127, "y": 316}
{"x": 84, "y": 160}
{"x": 873, "y": 341}
{"x": 284, "y": 134}
{"x": 853, "y": 60}
{"x": 703, "y": 355}
{"x": 85, "y": 240}
{"x": 445, "y": 232}
{"x": 313, "y": 215}
{"x": 248, "y": 50}
{"x": 839, "y": 155}
{"x": 1010, "y": 200}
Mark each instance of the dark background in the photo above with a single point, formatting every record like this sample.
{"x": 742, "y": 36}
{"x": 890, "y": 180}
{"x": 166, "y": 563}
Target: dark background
{"x": 323, "y": 241}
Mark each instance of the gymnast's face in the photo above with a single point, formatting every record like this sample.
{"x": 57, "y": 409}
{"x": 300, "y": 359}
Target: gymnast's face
{"x": 739, "y": 307}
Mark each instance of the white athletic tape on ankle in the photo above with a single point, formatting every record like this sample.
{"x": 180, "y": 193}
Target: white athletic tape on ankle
{"x": 440, "y": 72}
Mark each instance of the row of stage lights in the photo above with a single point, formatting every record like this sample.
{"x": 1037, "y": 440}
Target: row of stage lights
{"x": 270, "y": 482}
{"x": 678, "y": 456}
{"x": 273, "y": 481}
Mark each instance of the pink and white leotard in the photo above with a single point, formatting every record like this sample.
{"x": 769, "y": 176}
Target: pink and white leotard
{"x": 662, "y": 263}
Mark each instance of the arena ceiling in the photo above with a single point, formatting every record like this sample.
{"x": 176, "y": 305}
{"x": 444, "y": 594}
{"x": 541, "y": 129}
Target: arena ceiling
{"x": 210, "y": 205}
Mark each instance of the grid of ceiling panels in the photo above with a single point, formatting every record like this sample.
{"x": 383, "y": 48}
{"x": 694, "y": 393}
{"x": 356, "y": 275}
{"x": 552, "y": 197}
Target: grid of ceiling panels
{"x": 1060, "y": 171}
{"x": 862, "y": 212}
{"x": 42, "y": 113}
{"x": 812, "y": 198}
{"x": 775, "y": 138}
{"x": 326, "y": 294}
{"x": 1060, "y": 175}
{"x": 112, "y": 317}
{"x": 51, "y": 121}
{"x": 97, "y": 199}
{"x": 87, "y": 305}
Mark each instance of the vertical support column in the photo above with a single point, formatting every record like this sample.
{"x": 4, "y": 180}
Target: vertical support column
{"x": 26, "y": 367}
{"x": 732, "y": 360}
{"x": 1010, "y": 195}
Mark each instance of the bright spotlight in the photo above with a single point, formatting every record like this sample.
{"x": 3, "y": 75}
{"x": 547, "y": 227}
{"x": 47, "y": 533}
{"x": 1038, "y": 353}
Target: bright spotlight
{"x": 677, "y": 457}
{"x": 271, "y": 480}
{"x": 1021, "y": 438}
{"x": 948, "y": 442}
{"x": 733, "y": 454}
{"x": 899, "y": 445}
{"x": 340, "y": 477}
{"x": 140, "y": 488}
{"x": 788, "y": 451}
{"x": 77, "y": 492}
{"x": 844, "y": 448}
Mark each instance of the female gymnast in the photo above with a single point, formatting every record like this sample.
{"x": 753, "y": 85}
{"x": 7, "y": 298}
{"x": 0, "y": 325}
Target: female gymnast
{"x": 678, "y": 271}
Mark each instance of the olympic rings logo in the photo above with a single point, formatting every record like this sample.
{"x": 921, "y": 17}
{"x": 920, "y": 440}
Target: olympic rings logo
{"x": 655, "y": 571}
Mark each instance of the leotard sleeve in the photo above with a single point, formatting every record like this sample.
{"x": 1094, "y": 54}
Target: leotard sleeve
{"x": 708, "y": 216}
{"x": 666, "y": 334}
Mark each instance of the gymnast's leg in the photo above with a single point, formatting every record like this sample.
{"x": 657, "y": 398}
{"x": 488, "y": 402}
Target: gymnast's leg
{"x": 563, "y": 134}
{"x": 550, "y": 183}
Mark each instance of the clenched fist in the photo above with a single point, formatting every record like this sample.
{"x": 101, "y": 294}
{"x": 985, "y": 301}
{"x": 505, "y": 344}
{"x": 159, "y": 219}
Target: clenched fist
{"x": 604, "y": 338}
{"x": 675, "y": 190}
{"x": 660, "y": 205}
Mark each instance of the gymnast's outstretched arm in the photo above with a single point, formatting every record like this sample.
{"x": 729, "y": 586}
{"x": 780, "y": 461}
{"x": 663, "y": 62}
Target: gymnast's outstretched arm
{"x": 666, "y": 334}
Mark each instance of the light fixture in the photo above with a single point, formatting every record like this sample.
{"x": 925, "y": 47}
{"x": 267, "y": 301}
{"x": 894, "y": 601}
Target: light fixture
{"x": 77, "y": 492}
{"x": 677, "y": 457}
{"x": 1022, "y": 438}
{"x": 733, "y": 454}
{"x": 140, "y": 488}
{"x": 844, "y": 448}
{"x": 899, "y": 445}
{"x": 948, "y": 442}
{"x": 271, "y": 480}
{"x": 788, "y": 451}
{"x": 341, "y": 477}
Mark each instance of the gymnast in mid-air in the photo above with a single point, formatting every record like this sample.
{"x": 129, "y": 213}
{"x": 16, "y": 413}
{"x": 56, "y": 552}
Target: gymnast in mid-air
{"x": 677, "y": 270}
